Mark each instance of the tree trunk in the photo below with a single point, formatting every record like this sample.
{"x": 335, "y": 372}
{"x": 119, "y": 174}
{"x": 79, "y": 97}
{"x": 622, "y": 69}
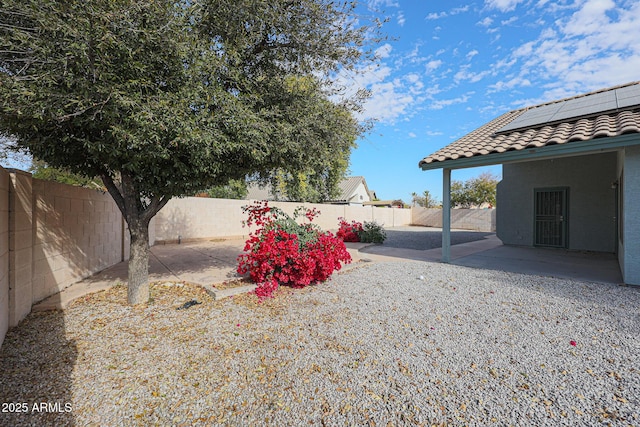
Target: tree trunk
{"x": 138, "y": 283}
{"x": 137, "y": 210}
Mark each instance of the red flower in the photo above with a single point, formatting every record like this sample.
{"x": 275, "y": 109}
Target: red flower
{"x": 573, "y": 343}
{"x": 274, "y": 256}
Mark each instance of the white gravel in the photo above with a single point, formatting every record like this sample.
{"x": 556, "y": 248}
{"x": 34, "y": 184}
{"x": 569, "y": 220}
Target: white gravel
{"x": 376, "y": 345}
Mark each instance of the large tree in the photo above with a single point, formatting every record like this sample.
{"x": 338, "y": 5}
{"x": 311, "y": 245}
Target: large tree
{"x": 164, "y": 98}
{"x": 475, "y": 192}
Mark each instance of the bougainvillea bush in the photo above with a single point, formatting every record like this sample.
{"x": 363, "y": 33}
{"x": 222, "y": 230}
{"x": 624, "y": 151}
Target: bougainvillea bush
{"x": 369, "y": 232}
{"x": 282, "y": 251}
{"x": 348, "y": 232}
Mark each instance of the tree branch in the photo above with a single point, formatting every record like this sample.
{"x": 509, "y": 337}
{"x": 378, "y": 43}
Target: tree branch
{"x": 115, "y": 192}
{"x": 154, "y": 207}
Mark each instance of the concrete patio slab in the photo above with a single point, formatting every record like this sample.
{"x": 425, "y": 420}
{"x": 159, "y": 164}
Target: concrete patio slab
{"x": 583, "y": 266}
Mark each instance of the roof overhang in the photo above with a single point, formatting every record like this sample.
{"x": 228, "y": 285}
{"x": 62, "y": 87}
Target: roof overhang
{"x": 577, "y": 148}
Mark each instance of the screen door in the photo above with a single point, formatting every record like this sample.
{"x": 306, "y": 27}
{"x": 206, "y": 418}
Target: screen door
{"x": 551, "y": 217}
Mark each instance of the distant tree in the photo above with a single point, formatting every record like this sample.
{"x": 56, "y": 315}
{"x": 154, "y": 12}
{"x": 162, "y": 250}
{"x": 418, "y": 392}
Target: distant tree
{"x": 40, "y": 170}
{"x": 235, "y": 189}
{"x": 484, "y": 189}
{"x": 165, "y": 98}
{"x": 460, "y": 195}
{"x": 474, "y": 192}
{"x": 425, "y": 201}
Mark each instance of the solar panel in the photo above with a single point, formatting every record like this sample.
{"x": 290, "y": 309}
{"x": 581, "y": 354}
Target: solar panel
{"x": 628, "y": 96}
{"x": 582, "y": 106}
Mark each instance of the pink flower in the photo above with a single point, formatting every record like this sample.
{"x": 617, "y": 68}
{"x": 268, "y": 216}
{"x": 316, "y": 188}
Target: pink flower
{"x": 573, "y": 343}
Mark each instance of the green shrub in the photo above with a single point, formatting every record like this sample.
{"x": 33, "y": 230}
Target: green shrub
{"x": 372, "y": 232}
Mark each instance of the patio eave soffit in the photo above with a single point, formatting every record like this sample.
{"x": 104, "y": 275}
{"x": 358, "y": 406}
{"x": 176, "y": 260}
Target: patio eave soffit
{"x": 600, "y": 145}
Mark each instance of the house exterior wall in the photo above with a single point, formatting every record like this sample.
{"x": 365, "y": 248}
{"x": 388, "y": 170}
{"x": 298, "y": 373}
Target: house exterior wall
{"x": 591, "y": 205}
{"x": 360, "y": 195}
{"x": 629, "y": 254}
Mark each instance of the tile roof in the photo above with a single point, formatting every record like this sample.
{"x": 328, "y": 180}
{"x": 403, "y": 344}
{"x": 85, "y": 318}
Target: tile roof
{"x": 489, "y": 139}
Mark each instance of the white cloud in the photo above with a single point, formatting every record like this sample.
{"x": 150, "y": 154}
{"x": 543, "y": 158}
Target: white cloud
{"x": 486, "y": 22}
{"x": 387, "y": 102}
{"x": 509, "y": 21}
{"x": 383, "y": 51}
{"x": 455, "y": 11}
{"x": 509, "y": 84}
{"x": 434, "y": 133}
{"x": 502, "y": 5}
{"x": 400, "y": 19}
{"x": 471, "y": 54}
{"x": 593, "y": 46}
{"x": 412, "y": 135}
{"x": 433, "y": 16}
{"x": 390, "y": 98}
{"x": 432, "y": 65}
{"x": 441, "y": 103}
{"x": 375, "y": 4}
{"x": 590, "y": 18}
{"x": 465, "y": 74}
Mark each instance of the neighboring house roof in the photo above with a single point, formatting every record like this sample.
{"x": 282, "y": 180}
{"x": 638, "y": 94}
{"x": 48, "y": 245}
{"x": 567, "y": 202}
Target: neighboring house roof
{"x": 348, "y": 189}
{"x": 385, "y": 203}
{"x": 572, "y": 121}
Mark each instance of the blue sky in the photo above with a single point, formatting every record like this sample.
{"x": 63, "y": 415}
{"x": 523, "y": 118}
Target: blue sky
{"x": 451, "y": 66}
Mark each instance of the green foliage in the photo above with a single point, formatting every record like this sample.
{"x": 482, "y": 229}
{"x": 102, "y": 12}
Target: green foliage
{"x": 306, "y": 232}
{"x": 163, "y": 98}
{"x": 372, "y": 232}
{"x": 474, "y": 192}
{"x": 426, "y": 200}
{"x": 235, "y": 189}
{"x": 40, "y": 170}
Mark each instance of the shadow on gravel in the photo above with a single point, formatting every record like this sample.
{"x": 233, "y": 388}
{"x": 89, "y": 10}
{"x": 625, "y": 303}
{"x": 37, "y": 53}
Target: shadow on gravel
{"x": 36, "y": 365}
{"x": 424, "y": 240}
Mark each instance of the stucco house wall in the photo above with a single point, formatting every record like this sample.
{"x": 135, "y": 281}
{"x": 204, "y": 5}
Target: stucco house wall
{"x": 591, "y": 204}
{"x": 360, "y": 195}
{"x": 629, "y": 242}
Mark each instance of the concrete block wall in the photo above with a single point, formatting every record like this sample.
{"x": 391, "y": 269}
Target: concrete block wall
{"x": 51, "y": 235}
{"x": 464, "y": 219}
{"x": 20, "y": 246}
{"x": 78, "y": 232}
{"x": 4, "y": 253}
{"x": 194, "y": 218}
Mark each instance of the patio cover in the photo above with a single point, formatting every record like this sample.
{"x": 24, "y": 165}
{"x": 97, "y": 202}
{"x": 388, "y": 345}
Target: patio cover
{"x": 596, "y": 122}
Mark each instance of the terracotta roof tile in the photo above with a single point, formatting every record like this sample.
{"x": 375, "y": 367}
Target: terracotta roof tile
{"x": 485, "y": 140}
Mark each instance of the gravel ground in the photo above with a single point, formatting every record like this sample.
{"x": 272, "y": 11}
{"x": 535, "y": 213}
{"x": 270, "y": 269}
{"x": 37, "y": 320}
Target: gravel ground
{"x": 422, "y": 238}
{"x": 377, "y": 345}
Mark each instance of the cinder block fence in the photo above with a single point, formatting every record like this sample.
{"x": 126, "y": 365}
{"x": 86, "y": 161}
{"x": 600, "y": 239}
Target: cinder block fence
{"x": 51, "y": 235}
